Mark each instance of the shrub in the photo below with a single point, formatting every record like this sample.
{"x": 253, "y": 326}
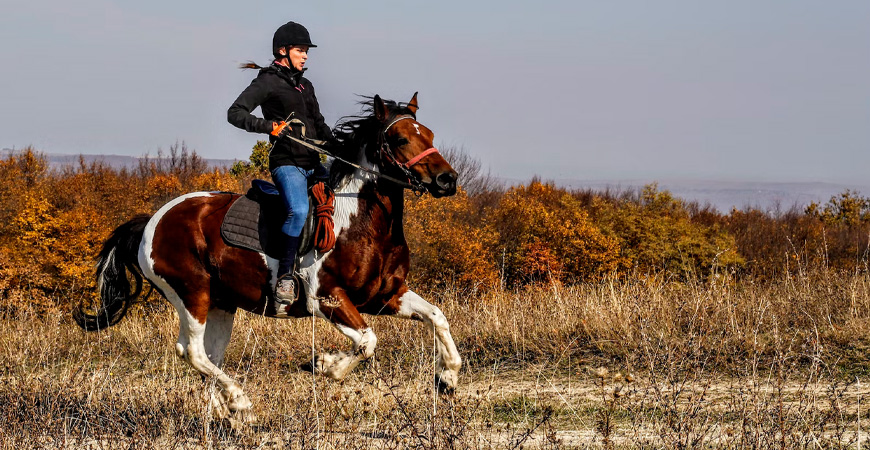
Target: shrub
{"x": 258, "y": 167}
{"x": 449, "y": 244}
{"x": 656, "y": 232}
{"x": 848, "y": 208}
{"x": 543, "y": 231}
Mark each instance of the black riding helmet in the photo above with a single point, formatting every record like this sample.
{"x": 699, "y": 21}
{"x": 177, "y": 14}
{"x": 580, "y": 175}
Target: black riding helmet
{"x": 289, "y": 34}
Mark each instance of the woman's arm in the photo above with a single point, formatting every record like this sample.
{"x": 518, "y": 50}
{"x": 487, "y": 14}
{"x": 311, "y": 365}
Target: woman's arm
{"x": 239, "y": 113}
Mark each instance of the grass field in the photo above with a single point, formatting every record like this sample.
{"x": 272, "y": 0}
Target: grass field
{"x": 650, "y": 363}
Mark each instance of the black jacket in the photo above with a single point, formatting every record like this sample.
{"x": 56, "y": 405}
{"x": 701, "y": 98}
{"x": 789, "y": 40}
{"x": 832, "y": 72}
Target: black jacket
{"x": 278, "y": 91}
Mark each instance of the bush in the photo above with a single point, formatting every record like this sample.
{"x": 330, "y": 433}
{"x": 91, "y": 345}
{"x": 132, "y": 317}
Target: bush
{"x": 543, "y": 231}
{"x": 56, "y": 220}
{"x": 258, "y": 167}
{"x": 657, "y": 233}
{"x": 449, "y": 244}
{"x": 848, "y": 208}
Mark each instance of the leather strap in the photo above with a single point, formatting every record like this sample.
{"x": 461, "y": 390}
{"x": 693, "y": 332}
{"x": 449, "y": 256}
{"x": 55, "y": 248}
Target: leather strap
{"x": 417, "y": 158}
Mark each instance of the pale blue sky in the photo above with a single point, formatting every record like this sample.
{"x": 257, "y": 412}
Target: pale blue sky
{"x": 745, "y": 90}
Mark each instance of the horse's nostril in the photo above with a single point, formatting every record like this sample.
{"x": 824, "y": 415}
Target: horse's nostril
{"x": 446, "y": 180}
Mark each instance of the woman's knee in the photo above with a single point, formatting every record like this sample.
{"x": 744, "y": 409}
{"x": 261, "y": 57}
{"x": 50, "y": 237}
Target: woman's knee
{"x": 295, "y": 222}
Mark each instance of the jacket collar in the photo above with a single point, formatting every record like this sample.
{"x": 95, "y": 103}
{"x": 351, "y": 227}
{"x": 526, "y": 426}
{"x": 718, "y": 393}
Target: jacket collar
{"x": 292, "y": 76}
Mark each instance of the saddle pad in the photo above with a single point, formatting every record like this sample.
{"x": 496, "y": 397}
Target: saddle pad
{"x": 248, "y": 226}
{"x": 241, "y": 225}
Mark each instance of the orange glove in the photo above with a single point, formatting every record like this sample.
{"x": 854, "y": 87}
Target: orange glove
{"x": 280, "y": 128}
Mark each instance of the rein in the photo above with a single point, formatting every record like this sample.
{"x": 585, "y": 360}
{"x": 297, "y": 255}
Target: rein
{"x": 384, "y": 148}
{"x": 417, "y": 188}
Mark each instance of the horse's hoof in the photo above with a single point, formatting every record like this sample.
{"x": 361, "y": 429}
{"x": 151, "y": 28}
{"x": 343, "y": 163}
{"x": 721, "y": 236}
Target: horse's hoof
{"x": 444, "y": 388}
{"x": 219, "y": 407}
{"x": 240, "y": 420}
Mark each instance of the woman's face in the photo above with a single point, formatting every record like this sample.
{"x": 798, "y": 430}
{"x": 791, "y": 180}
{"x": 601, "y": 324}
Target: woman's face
{"x": 297, "y": 55}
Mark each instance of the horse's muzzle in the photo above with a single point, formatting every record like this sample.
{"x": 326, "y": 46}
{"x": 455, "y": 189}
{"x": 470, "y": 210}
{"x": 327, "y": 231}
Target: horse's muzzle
{"x": 445, "y": 184}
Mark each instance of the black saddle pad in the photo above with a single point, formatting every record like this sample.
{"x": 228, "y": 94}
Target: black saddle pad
{"x": 254, "y": 222}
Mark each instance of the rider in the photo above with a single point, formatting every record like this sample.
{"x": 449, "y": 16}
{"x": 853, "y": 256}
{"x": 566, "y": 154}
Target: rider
{"x": 280, "y": 90}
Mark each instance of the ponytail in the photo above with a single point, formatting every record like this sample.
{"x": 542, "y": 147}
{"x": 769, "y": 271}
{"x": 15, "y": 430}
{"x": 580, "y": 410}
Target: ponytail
{"x": 250, "y": 65}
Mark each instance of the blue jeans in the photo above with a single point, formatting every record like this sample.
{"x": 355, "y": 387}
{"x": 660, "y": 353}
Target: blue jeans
{"x": 292, "y": 182}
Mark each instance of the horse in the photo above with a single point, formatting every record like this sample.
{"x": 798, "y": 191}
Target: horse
{"x": 181, "y": 252}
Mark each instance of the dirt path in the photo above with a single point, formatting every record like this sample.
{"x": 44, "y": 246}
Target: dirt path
{"x": 714, "y": 410}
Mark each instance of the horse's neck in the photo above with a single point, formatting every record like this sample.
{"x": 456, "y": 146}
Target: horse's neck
{"x": 370, "y": 201}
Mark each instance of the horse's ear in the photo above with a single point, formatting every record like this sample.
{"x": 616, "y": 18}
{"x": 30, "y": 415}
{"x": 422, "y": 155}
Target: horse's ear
{"x": 412, "y": 105}
{"x": 380, "y": 109}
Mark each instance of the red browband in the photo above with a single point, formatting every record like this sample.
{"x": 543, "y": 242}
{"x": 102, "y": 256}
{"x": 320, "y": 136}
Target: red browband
{"x": 417, "y": 158}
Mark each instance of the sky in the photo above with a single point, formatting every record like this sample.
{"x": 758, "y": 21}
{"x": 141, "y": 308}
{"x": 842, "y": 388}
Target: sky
{"x": 740, "y": 90}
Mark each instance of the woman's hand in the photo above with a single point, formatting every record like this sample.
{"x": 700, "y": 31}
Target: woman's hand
{"x": 280, "y": 129}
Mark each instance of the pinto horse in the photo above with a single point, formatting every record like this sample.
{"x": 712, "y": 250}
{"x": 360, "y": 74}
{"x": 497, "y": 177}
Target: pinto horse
{"x": 180, "y": 251}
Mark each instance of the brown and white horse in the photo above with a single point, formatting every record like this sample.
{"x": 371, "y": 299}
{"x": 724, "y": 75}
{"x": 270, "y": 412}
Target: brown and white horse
{"x": 181, "y": 252}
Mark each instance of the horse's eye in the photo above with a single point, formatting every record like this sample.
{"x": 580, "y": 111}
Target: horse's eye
{"x": 400, "y": 142}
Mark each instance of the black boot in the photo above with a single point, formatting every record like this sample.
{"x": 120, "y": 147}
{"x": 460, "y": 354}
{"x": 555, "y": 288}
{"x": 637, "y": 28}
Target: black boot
{"x": 286, "y": 289}
{"x": 288, "y": 262}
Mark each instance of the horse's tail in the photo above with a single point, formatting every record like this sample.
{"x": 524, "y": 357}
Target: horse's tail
{"x": 120, "y": 254}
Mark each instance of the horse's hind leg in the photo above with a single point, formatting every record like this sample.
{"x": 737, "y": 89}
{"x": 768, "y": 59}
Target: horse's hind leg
{"x": 191, "y": 344}
{"x": 412, "y": 306}
{"x": 338, "y": 310}
{"x": 218, "y": 329}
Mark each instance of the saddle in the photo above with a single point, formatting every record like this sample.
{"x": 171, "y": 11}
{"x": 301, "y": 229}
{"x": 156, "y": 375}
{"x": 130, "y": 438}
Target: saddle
{"x": 254, "y": 221}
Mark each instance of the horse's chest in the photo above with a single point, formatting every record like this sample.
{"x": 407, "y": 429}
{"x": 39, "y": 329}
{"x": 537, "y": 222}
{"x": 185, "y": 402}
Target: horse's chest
{"x": 361, "y": 260}
{"x": 370, "y": 258}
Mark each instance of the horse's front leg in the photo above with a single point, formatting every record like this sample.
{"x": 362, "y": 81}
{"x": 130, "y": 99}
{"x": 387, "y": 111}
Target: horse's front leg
{"x": 412, "y": 306}
{"x": 338, "y": 310}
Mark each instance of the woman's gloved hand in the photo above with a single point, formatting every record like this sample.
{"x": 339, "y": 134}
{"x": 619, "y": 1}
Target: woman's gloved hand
{"x": 280, "y": 129}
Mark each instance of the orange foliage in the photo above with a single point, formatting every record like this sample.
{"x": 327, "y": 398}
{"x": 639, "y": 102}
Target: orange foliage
{"x": 657, "y": 232}
{"x": 544, "y": 231}
{"x": 447, "y": 245}
{"x": 62, "y": 242}
{"x": 52, "y": 223}
{"x": 216, "y": 180}
{"x": 55, "y": 221}
{"x": 35, "y": 223}
{"x": 163, "y": 187}
{"x": 538, "y": 261}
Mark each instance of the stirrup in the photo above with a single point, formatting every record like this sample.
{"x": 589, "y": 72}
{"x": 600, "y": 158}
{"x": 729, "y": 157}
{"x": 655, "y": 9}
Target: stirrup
{"x": 287, "y": 289}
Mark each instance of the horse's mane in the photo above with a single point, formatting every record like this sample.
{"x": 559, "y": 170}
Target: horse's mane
{"x": 354, "y": 132}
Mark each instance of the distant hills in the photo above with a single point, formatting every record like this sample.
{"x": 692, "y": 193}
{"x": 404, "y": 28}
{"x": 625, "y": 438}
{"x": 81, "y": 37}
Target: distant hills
{"x": 56, "y": 160}
{"x": 725, "y": 195}
{"x": 722, "y": 195}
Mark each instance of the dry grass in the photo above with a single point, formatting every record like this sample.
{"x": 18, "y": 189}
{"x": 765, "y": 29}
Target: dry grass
{"x": 719, "y": 364}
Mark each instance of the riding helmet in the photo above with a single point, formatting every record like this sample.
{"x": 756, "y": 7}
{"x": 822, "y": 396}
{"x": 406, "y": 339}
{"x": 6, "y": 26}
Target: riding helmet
{"x": 291, "y": 33}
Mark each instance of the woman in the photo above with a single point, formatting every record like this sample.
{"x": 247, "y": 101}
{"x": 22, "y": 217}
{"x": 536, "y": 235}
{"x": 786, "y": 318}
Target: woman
{"x": 280, "y": 90}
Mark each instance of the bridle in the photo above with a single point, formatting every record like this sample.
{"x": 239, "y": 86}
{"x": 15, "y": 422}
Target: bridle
{"x": 384, "y": 153}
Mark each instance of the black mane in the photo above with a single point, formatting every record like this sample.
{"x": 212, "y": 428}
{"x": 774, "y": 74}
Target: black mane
{"x": 354, "y": 132}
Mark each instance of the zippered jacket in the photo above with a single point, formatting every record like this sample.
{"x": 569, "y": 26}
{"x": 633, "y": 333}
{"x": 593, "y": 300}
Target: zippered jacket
{"x": 279, "y": 91}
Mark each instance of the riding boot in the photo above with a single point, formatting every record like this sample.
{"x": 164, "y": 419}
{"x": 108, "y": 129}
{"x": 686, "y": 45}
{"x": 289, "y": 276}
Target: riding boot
{"x": 285, "y": 288}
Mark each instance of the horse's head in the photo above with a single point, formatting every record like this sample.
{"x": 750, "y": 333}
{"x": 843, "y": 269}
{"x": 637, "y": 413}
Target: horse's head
{"x": 406, "y": 145}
